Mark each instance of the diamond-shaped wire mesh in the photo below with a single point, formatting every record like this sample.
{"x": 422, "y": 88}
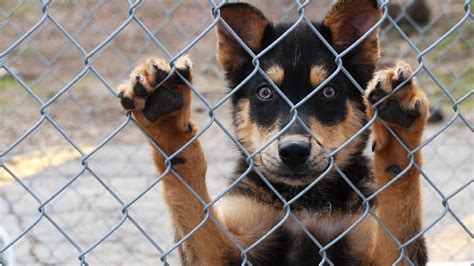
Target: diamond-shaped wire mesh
{"x": 76, "y": 179}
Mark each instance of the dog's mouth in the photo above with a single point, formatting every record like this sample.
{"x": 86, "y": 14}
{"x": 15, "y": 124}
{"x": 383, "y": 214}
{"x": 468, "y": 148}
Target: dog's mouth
{"x": 303, "y": 174}
{"x": 296, "y": 174}
{"x": 296, "y": 178}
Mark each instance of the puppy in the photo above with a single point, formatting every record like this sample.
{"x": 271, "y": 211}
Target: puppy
{"x": 311, "y": 155}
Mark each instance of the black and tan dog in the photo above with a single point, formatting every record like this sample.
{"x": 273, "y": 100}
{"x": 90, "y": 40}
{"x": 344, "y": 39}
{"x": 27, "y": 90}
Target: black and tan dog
{"x": 297, "y": 65}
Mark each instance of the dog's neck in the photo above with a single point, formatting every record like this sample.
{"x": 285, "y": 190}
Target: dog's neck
{"x": 331, "y": 193}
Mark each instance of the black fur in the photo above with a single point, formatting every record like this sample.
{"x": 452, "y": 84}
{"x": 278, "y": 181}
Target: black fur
{"x": 139, "y": 90}
{"x": 127, "y": 103}
{"x": 421, "y": 255}
{"x": 280, "y": 241}
{"x": 162, "y": 101}
{"x": 306, "y": 252}
{"x": 393, "y": 113}
{"x": 393, "y": 169}
{"x": 177, "y": 161}
{"x": 190, "y": 128}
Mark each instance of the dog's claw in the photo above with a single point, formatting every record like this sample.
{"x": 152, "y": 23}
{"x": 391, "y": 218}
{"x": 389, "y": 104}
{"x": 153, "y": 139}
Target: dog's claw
{"x": 400, "y": 74}
{"x": 417, "y": 106}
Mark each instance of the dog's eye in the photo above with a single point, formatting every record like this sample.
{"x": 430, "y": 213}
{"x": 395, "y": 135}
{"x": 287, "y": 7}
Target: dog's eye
{"x": 328, "y": 92}
{"x": 265, "y": 93}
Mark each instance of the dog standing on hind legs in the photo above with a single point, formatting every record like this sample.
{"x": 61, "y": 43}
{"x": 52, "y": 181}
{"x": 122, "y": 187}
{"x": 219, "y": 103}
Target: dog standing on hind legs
{"x": 297, "y": 65}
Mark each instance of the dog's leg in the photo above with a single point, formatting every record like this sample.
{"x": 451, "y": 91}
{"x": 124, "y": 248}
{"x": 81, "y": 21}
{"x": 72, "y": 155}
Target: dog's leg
{"x": 164, "y": 113}
{"x": 399, "y": 206}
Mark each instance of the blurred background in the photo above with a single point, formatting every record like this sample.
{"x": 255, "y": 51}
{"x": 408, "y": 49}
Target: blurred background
{"x": 60, "y": 63}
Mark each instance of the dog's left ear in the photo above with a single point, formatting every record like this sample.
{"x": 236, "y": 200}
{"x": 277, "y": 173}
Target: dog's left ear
{"x": 348, "y": 20}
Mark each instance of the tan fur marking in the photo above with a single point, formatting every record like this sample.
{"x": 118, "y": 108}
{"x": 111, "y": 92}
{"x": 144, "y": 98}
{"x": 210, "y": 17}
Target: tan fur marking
{"x": 327, "y": 226}
{"x": 317, "y": 75}
{"x": 246, "y": 218}
{"x": 250, "y": 220}
{"x": 361, "y": 238}
{"x": 276, "y": 73}
{"x": 334, "y": 136}
{"x": 245, "y": 129}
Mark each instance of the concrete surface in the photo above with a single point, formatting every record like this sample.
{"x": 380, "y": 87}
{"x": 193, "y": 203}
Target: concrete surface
{"x": 86, "y": 211}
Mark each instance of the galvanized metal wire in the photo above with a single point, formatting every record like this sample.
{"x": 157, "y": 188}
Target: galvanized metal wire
{"x": 124, "y": 216}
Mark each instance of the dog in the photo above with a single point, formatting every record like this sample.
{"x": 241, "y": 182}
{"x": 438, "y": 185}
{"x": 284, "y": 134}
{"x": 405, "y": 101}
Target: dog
{"x": 313, "y": 172}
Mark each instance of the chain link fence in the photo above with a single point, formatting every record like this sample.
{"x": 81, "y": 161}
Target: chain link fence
{"x": 76, "y": 179}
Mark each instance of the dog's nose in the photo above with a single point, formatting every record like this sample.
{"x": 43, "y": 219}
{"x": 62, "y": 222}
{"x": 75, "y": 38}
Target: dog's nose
{"x": 294, "y": 153}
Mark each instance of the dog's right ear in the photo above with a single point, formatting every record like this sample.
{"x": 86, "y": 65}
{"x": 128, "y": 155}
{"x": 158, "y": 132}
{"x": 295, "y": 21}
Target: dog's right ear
{"x": 249, "y": 23}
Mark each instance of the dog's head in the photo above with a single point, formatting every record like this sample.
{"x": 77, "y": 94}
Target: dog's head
{"x": 297, "y": 65}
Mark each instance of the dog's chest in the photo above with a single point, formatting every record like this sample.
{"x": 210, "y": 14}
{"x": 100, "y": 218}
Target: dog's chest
{"x": 295, "y": 239}
{"x": 305, "y": 240}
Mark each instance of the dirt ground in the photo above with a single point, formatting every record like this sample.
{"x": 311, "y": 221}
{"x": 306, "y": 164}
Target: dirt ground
{"x": 47, "y": 61}
{"x": 47, "y": 65}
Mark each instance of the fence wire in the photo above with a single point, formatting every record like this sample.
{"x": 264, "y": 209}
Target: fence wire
{"x": 76, "y": 181}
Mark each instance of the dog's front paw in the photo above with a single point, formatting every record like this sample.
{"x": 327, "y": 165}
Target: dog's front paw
{"x": 142, "y": 96}
{"x": 407, "y": 106}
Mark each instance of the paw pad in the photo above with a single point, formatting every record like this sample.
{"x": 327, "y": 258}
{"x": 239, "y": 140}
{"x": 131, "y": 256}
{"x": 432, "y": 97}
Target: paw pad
{"x": 127, "y": 103}
{"x": 401, "y": 106}
{"x": 140, "y": 93}
{"x": 140, "y": 90}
